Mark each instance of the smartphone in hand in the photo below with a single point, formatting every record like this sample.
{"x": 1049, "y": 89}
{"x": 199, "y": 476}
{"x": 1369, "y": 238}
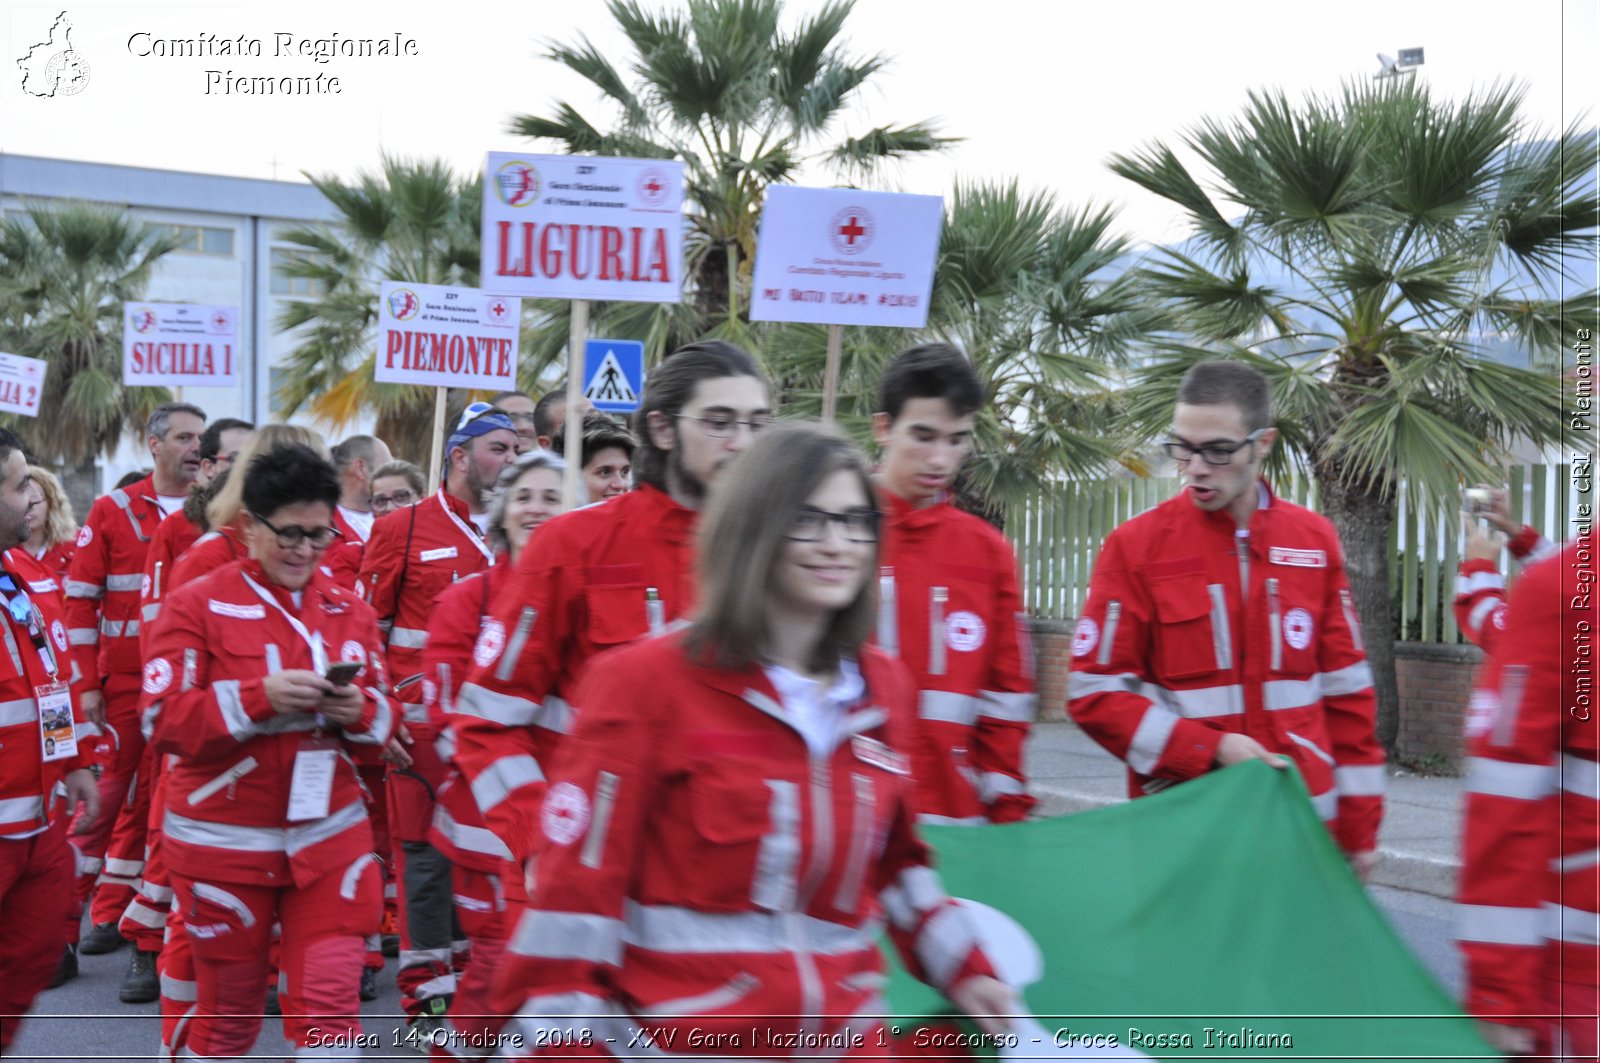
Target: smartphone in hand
{"x": 341, "y": 672}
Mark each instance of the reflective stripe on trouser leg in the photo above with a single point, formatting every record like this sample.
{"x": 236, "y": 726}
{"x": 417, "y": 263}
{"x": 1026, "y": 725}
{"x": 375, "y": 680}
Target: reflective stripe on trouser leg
{"x": 320, "y": 954}
{"x": 481, "y": 909}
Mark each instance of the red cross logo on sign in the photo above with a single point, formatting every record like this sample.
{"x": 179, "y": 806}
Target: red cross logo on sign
{"x": 497, "y": 309}
{"x": 851, "y": 231}
{"x": 653, "y": 187}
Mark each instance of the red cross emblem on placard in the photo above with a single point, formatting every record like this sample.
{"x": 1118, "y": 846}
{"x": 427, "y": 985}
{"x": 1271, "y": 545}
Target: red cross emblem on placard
{"x": 851, "y": 231}
{"x": 497, "y": 309}
{"x": 220, "y": 320}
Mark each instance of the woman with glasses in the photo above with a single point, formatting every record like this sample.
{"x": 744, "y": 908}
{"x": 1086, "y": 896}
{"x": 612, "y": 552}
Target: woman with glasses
{"x": 720, "y": 843}
{"x": 396, "y": 485}
{"x": 261, "y": 677}
{"x": 485, "y": 881}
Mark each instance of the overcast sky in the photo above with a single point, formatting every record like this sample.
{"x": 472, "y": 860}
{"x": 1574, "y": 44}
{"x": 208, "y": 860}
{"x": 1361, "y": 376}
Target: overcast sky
{"x": 1043, "y": 90}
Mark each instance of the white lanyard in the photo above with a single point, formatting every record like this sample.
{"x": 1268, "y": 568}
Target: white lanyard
{"x": 313, "y": 639}
{"x": 470, "y": 532}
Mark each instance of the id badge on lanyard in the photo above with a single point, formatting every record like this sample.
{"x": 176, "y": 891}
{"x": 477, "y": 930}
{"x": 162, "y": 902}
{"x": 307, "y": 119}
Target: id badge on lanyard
{"x": 57, "y": 738}
{"x": 311, "y": 785}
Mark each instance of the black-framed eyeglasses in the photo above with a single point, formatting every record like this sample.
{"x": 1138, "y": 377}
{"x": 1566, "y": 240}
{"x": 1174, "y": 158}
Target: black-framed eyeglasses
{"x": 810, "y": 525}
{"x": 722, "y": 425}
{"x": 1211, "y": 453}
{"x": 293, "y": 535}
{"x": 399, "y": 498}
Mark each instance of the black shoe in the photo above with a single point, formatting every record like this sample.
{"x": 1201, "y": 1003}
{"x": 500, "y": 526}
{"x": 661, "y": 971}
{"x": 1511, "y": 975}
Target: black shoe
{"x": 274, "y": 1005}
{"x": 101, "y": 938}
{"x": 389, "y": 945}
{"x": 142, "y": 984}
{"x": 369, "y": 983}
{"x": 67, "y": 969}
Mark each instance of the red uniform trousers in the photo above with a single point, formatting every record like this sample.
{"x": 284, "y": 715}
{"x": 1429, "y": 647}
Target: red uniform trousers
{"x": 430, "y": 943}
{"x": 35, "y": 895}
{"x": 1570, "y": 1035}
{"x": 487, "y": 908}
{"x": 377, "y": 794}
{"x": 112, "y": 850}
{"x": 144, "y": 921}
{"x": 324, "y": 925}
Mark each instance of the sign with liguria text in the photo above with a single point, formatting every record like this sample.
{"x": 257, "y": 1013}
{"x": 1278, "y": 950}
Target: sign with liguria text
{"x": 583, "y": 227}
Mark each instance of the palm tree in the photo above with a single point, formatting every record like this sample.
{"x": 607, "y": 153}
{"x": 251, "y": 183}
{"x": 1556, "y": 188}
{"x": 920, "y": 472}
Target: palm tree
{"x": 1032, "y": 293}
{"x": 65, "y": 273}
{"x": 743, "y": 103}
{"x": 413, "y": 221}
{"x": 1383, "y": 241}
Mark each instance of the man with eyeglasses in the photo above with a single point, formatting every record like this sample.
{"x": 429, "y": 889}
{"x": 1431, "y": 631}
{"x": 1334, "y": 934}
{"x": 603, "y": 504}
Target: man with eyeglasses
{"x": 520, "y": 407}
{"x": 949, "y": 604}
{"x": 413, "y": 555}
{"x": 1220, "y": 628}
{"x": 40, "y": 730}
{"x": 596, "y": 578}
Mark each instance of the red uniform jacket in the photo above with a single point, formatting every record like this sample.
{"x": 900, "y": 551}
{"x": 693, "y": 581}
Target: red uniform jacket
{"x": 458, "y": 616}
{"x": 56, "y": 560}
{"x": 413, "y": 555}
{"x": 1480, "y": 602}
{"x": 104, "y": 581}
{"x": 218, "y": 639}
{"x": 342, "y": 559}
{"x": 26, "y": 779}
{"x": 950, "y": 608}
{"x": 173, "y": 537}
{"x": 701, "y": 866}
{"x": 1530, "y": 876}
{"x": 1174, "y": 649}
{"x": 584, "y": 584}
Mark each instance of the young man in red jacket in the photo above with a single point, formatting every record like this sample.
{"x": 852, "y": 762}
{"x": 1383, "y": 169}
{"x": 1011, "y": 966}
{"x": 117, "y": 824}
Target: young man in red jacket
{"x": 1220, "y": 627}
{"x": 103, "y": 617}
{"x": 39, "y": 733}
{"x": 949, "y": 605}
{"x": 1526, "y": 911}
{"x": 356, "y": 459}
{"x": 599, "y": 577}
{"x": 413, "y": 555}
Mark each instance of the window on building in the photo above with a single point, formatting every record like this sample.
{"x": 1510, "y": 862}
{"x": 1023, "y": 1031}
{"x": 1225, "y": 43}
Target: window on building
{"x": 285, "y": 284}
{"x": 202, "y": 240}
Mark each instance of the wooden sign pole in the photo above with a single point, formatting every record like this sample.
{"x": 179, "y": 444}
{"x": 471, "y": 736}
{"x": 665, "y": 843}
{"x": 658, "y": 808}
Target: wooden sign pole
{"x": 436, "y": 448}
{"x": 573, "y": 446}
{"x": 830, "y": 383}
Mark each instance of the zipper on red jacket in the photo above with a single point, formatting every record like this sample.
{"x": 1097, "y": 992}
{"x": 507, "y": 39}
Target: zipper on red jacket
{"x": 855, "y": 868}
{"x": 1274, "y": 624}
{"x": 822, "y": 855}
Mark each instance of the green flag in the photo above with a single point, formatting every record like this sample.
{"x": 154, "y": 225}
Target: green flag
{"x": 1215, "y": 920}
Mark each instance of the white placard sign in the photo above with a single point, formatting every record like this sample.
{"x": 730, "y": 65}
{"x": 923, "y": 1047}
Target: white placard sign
{"x": 583, "y": 227}
{"x": 447, "y": 337}
{"x": 180, "y": 345}
{"x": 839, "y": 256}
{"x": 21, "y": 384}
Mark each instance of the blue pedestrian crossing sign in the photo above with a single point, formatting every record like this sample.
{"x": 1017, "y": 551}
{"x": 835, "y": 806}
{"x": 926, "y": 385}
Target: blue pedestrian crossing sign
{"x": 613, "y": 374}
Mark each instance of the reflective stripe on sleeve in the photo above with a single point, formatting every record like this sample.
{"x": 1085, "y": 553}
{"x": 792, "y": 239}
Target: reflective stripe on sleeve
{"x": 125, "y": 581}
{"x": 22, "y": 710}
{"x": 81, "y": 589}
{"x": 1499, "y": 778}
{"x": 1200, "y": 704}
{"x": 1580, "y": 777}
{"x": 507, "y": 710}
{"x": 915, "y": 891}
{"x": 470, "y": 838}
{"x": 1479, "y": 581}
{"x": 944, "y": 944}
{"x": 504, "y": 777}
{"x": 231, "y": 705}
{"x": 408, "y": 638}
{"x": 1482, "y": 611}
{"x": 944, "y": 706}
{"x": 1351, "y": 679}
{"x": 1326, "y": 804}
{"x": 666, "y": 928}
{"x": 1150, "y": 739}
{"x": 568, "y": 936}
{"x": 84, "y": 636}
{"x": 1084, "y": 684}
{"x": 1007, "y": 705}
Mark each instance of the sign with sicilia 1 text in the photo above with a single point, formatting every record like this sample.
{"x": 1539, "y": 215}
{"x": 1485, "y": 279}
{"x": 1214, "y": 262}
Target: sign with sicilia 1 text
{"x": 21, "y": 384}
{"x": 180, "y": 345}
{"x": 447, "y": 337}
{"x": 840, "y": 256}
{"x": 583, "y": 227}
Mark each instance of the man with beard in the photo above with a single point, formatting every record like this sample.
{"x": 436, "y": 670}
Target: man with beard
{"x": 413, "y": 555}
{"x": 39, "y": 752}
{"x": 599, "y": 577}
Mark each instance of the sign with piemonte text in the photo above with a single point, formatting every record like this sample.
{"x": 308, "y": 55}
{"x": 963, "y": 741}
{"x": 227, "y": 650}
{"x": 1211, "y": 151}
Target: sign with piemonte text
{"x": 840, "y": 256}
{"x": 21, "y": 384}
{"x": 447, "y": 337}
{"x": 180, "y": 345}
{"x": 583, "y": 227}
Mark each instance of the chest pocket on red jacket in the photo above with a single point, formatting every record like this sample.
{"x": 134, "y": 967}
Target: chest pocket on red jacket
{"x": 617, "y": 613}
{"x": 749, "y": 828}
{"x": 1293, "y": 612}
{"x": 1186, "y": 636}
{"x": 958, "y": 615}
